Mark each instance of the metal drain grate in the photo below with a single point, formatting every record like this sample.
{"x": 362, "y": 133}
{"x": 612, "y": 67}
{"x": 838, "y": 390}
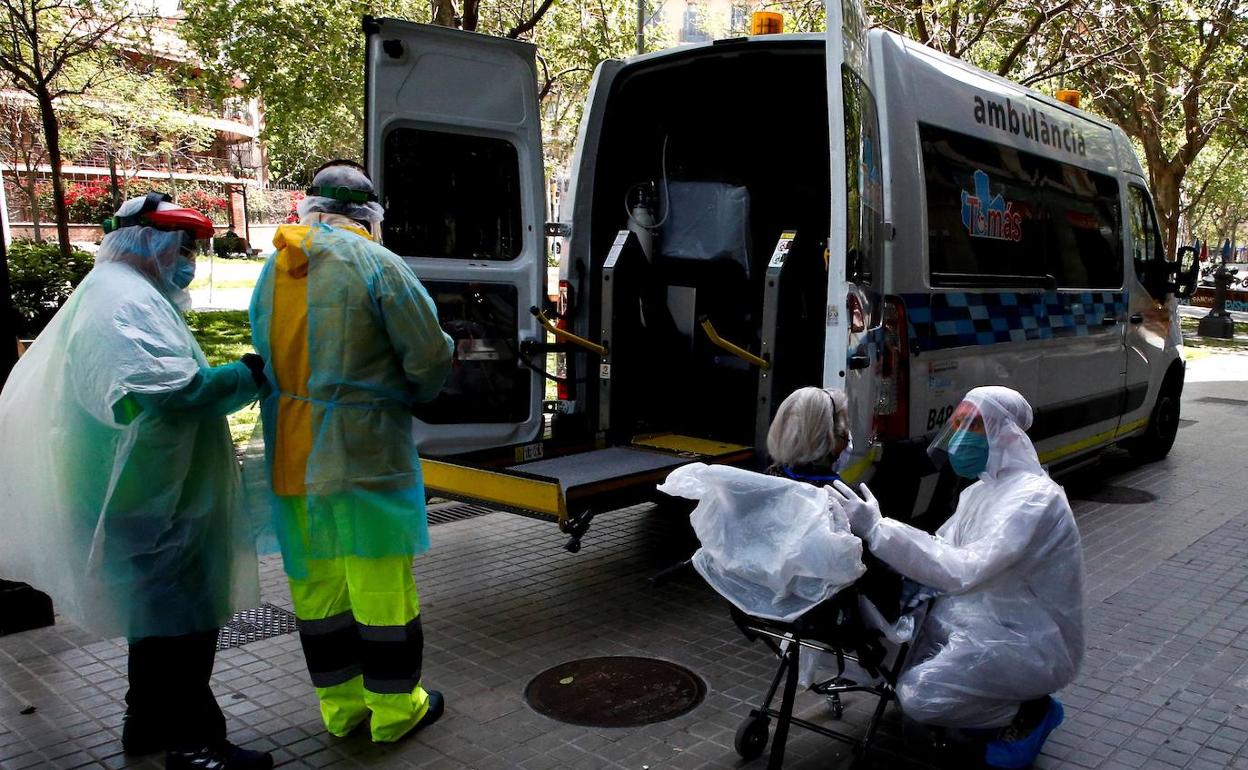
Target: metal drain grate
{"x": 263, "y": 622}
{"x": 456, "y": 513}
{"x": 1222, "y": 400}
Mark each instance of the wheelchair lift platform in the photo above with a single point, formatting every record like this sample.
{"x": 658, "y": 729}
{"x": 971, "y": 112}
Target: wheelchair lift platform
{"x": 570, "y": 488}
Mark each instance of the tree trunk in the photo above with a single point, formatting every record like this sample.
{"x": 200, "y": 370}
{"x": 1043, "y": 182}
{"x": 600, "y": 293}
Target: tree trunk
{"x": 112, "y": 180}
{"x": 444, "y": 13}
{"x": 32, "y": 195}
{"x": 1167, "y": 182}
{"x": 52, "y": 139}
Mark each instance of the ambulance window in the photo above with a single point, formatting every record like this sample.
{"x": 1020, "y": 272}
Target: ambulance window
{"x": 987, "y": 225}
{"x": 1146, "y": 249}
{"x": 1145, "y": 237}
{"x": 864, "y": 191}
{"x": 1086, "y": 216}
{"x": 451, "y": 195}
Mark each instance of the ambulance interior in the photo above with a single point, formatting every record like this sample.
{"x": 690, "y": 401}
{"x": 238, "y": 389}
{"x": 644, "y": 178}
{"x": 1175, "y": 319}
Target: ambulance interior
{"x": 728, "y": 148}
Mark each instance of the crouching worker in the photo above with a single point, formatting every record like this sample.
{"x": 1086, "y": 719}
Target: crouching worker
{"x": 1007, "y": 630}
{"x": 121, "y": 490}
{"x": 352, "y": 342}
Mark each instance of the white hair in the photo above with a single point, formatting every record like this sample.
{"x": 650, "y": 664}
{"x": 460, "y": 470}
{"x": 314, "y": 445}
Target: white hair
{"x": 810, "y": 426}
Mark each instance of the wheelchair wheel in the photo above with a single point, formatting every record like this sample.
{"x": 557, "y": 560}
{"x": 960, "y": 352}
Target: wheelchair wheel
{"x": 752, "y": 736}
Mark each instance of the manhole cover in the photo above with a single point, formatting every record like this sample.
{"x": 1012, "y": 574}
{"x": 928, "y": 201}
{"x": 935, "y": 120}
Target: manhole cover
{"x": 1117, "y": 496}
{"x": 615, "y": 692}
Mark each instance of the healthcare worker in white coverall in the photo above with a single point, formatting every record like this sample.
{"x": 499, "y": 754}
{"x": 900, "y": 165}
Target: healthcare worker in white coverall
{"x": 1006, "y": 630}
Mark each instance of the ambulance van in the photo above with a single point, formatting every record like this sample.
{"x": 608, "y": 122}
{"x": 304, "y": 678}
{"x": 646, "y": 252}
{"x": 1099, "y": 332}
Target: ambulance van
{"x": 750, "y": 216}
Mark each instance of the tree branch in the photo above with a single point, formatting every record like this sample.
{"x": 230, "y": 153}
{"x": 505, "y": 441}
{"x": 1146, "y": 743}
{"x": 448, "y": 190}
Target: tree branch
{"x": 532, "y": 21}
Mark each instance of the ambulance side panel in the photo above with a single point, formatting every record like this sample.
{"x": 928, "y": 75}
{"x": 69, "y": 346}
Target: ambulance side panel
{"x": 981, "y": 169}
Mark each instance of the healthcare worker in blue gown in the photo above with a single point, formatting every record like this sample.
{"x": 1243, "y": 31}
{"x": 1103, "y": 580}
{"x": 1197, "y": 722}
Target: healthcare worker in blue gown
{"x": 120, "y": 488}
{"x": 1006, "y": 631}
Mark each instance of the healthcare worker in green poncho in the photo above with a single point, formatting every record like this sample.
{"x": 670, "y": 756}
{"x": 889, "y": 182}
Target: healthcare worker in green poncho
{"x": 120, "y": 489}
{"x": 352, "y": 342}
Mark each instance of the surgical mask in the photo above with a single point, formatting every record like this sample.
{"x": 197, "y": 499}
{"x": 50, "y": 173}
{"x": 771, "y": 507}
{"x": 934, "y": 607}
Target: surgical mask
{"x": 846, "y": 456}
{"x": 183, "y": 273}
{"x": 969, "y": 456}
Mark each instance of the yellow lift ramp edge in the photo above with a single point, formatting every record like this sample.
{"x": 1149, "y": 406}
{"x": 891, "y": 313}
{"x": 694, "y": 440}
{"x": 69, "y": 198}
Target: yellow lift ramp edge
{"x": 571, "y": 488}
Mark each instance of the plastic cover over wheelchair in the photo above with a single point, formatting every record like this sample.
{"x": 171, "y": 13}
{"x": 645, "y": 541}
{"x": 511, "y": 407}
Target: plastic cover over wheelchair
{"x": 769, "y": 545}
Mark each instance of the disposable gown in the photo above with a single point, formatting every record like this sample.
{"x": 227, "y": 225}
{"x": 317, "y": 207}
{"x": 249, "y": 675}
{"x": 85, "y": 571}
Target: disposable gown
{"x": 120, "y": 488}
{"x": 343, "y": 448}
{"x": 769, "y": 545}
{"x": 1009, "y": 626}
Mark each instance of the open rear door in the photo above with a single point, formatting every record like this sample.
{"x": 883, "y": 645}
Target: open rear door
{"x": 453, "y": 142}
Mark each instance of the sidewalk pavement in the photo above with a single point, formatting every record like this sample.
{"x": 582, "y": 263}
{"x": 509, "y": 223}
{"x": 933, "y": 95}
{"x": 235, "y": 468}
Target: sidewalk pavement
{"x": 1164, "y": 684}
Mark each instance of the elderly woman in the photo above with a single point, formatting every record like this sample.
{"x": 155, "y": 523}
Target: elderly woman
{"x": 809, "y": 435}
{"x": 809, "y": 441}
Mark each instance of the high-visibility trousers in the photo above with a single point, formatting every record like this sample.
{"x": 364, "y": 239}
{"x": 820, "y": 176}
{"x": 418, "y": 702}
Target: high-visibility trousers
{"x": 359, "y": 622}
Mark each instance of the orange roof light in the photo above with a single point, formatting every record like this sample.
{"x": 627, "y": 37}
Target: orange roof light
{"x": 766, "y": 23}
{"x": 1069, "y": 96}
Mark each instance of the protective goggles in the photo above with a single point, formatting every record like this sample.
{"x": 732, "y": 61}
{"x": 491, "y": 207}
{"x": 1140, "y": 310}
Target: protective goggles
{"x": 965, "y": 425}
{"x": 342, "y": 192}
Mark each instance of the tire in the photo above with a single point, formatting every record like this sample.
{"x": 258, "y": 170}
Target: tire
{"x": 1163, "y": 425}
{"x": 752, "y": 737}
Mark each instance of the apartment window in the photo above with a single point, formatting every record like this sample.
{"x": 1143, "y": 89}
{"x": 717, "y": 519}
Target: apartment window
{"x": 451, "y": 195}
{"x": 740, "y": 24}
{"x": 694, "y": 28}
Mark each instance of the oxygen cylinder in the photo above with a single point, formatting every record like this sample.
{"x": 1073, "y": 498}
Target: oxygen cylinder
{"x": 641, "y": 222}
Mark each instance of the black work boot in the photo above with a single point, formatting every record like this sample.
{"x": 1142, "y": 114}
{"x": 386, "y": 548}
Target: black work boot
{"x": 225, "y": 756}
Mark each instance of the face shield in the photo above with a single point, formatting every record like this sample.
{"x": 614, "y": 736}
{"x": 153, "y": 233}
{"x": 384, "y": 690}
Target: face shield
{"x": 962, "y": 442}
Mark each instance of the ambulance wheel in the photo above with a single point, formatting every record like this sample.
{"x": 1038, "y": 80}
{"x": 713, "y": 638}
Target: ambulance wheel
{"x": 1163, "y": 425}
{"x": 752, "y": 736}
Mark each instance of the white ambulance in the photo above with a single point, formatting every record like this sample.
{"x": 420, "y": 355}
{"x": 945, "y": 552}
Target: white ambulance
{"x": 751, "y": 216}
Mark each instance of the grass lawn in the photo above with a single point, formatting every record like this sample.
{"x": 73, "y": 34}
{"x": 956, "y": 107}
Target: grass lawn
{"x": 225, "y": 335}
{"x": 226, "y": 273}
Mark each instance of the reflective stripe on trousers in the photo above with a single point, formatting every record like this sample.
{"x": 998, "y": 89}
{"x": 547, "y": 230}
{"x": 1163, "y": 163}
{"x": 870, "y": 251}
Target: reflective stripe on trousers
{"x": 359, "y": 622}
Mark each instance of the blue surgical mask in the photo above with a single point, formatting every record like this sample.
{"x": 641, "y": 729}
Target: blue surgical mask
{"x": 969, "y": 456}
{"x": 846, "y": 456}
{"x": 183, "y": 273}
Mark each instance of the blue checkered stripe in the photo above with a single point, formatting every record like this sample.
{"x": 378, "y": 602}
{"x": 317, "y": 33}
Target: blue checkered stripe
{"x": 942, "y": 320}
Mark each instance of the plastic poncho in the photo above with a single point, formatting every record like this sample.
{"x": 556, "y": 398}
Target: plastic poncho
{"x": 351, "y": 342}
{"x": 769, "y": 545}
{"x": 120, "y": 488}
{"x": 1010, "y": 625}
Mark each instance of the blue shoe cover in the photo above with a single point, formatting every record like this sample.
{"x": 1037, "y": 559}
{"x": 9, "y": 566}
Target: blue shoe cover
{"x": 1021, "y": 753}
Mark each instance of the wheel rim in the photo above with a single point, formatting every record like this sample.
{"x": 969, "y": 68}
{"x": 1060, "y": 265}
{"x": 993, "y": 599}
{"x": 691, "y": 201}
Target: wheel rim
{"x": 1167, "y": 417}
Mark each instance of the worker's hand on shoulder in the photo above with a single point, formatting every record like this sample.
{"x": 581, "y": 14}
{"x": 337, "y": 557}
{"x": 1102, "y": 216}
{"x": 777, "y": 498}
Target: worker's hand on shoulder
{"x": 255, "y": 364}
{"x": 863, "y": 512}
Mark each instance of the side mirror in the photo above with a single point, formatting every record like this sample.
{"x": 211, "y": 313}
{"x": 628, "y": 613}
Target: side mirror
{"x": 1187, "y": 272}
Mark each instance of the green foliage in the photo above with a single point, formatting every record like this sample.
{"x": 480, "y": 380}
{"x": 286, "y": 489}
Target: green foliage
{"x": 42, "y": 281}
{"x": 304, "y": 60}
{"x": 225, "y": 335}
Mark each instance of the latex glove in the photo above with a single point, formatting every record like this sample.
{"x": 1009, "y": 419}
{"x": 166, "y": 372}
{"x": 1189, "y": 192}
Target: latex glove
{"x": 255, "y": 364}
{"x": 863, "y": 512}
{"x": 840, "y": 520}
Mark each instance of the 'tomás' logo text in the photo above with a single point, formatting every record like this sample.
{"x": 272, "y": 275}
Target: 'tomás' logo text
{"x": 988, "y": 216}
{"x": 1031, "y": 124}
